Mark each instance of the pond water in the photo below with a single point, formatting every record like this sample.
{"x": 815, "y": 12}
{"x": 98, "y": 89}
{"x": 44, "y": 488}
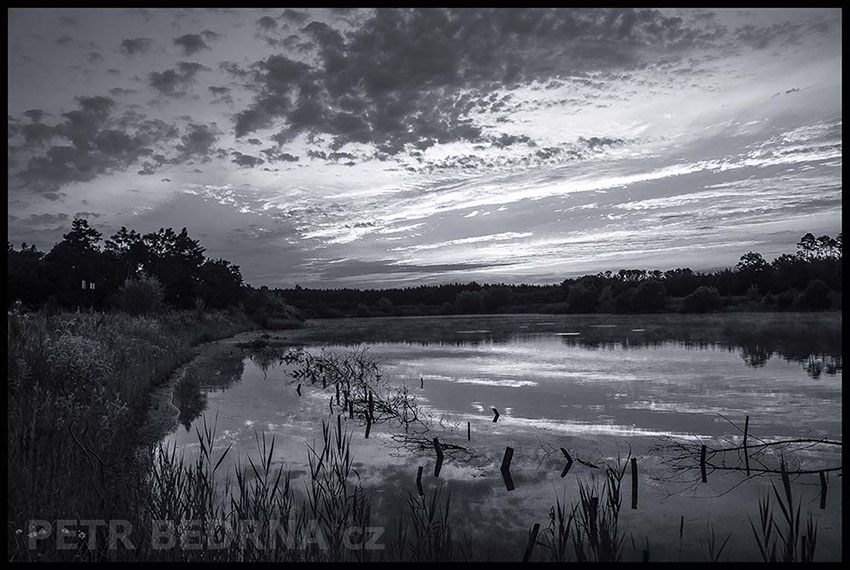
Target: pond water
{"x": 599, "y": 386}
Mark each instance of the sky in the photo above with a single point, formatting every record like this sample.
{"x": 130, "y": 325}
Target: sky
{"x": 395, "y": 147}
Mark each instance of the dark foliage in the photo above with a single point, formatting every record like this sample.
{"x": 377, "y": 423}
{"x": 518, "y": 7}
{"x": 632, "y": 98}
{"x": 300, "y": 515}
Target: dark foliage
{"x": 808, "y": 280}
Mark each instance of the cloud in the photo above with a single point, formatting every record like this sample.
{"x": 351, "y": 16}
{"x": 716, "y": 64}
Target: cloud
{"x": 246, "y": 160}
{"x": 386, "y": 85}
{"x": 294, "y": 16}
{"x": 132, "y": 46}
{"x": 43, "y": 219}
{"x": 89, "y": 141}
{"x": 191, "y": 43}
{"x": 275, "y": 155}
{"x": 762, "y": 37}
{"x": 267, "y": 24}
{"x": 198, "y": 142}
{"x": 173, "y": 82}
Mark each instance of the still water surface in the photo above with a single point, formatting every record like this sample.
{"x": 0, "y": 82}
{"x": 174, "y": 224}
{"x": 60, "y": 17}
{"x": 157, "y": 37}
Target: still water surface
{"x": 599, "y": 386}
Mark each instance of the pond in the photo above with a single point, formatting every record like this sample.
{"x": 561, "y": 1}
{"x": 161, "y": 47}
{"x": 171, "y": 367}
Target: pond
{"x": 605, "y": 388}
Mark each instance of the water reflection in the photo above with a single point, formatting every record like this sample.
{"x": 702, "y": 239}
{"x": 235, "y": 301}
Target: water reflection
{"x": 212, "y": 372}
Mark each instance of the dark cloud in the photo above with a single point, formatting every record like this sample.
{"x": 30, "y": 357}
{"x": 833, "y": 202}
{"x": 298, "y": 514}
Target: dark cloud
{"x": 135, "y": 45}
{"x": 762, "y": 37}
{"x": 38, "y": 133}
{"x": 198, "y": 142}
{"x": 246, "y": 160}
{"x": 398, "y": 81}
{"x": 34, "y": 115}
{"x": 294, "y": 16}
{"x": 275, "y": 155}
{"x": 191, "y": 43}
{"x": 506, "y": 140}
{"x": 120, "y": 91}
{"x": 94, "y": 57}
{"x": 89, "y": 141}
{"x": 233, "y": 69}
{"x": 267, "y": 23}
{"x": 41, "y": 219}
{"x": 218, "y": 91}
{"x": 255, "y": 141}
{"x": 173, "y": 82}
{"x": 209, "y": 35}
{"x": 64, "y": 40}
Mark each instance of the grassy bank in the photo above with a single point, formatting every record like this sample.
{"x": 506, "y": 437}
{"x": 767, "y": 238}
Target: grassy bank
{"x": 78, "y": 385}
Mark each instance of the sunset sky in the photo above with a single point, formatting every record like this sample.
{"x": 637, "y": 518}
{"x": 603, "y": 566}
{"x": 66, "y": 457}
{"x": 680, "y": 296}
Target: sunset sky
{"x": 379, "y": 148}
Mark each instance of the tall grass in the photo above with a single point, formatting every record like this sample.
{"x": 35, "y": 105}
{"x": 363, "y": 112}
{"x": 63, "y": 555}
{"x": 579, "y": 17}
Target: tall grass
{"x": 783, "y": 539}
{"x": 76, "y": 383}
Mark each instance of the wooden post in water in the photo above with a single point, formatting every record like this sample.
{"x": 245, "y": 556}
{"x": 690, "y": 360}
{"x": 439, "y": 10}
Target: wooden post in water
{"x": 439, "y": 450}
{"x": 419, "y": 482}
{"x": 298, "y": 389}
{"x": 822, "y": 490}
{"x": 506, "y": 468}
{"x": 532, "y": 540}
{"x": 569, "y": 463}
{"x": 746, "y": 453}
{"x": 421, "y": 382}
{"x": 634, "y": 483}
{"x": 702, "y": 464}
{"x": 468, "y": 431}
{"x": 369, "y": 413}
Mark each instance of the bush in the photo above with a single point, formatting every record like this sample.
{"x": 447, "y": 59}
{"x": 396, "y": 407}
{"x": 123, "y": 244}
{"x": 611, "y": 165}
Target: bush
{"x": 141, "y": 296}
{"x": 815, "y": 297}
{"x": 703, "y": 300}
{"x": 785, "y": 300}
{"x": 467, "y": 302}
{"x": 649, "y": 297}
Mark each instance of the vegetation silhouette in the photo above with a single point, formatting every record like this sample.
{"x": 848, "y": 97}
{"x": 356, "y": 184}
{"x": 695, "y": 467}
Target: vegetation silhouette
{"x": 83, "y": 270}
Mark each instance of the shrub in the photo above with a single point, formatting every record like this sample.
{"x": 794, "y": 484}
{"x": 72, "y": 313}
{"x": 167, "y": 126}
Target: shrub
{"x": 141, "y": 296}
{"x": 703, "y": 300}
{"x": 649, "y": 297}
{"x": 815, "y": 297}
{"x": 467, "y": 302}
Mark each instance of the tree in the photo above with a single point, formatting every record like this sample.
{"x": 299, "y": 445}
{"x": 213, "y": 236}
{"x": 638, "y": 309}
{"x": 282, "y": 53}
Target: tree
{"x": 493, "y": 298}
{"x": 75, "y": 259}
{"x": 220, "y": 283}
{"x": 623, "y": 301}
{"x": 703, "y": 300}
{"x": 649, "y": 297}
{"x": 25, "y": 276}
{"x": 176, "y": 260}
{"x": 605, "y": 303}
{"x": 581, "y": 299}
{"x": 752, "y": 262}
{"x": 385, "y": 306}
{"x": 815, "y": 297}
{"x": 467, "y": 302}
{"x": 807, "y": 246}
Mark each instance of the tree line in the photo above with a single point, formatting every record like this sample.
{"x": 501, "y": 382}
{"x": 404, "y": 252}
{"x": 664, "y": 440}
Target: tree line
{"x": 140, "y": 273}
{"x": 808, "y": 279}
{"x": 132, "y": 272}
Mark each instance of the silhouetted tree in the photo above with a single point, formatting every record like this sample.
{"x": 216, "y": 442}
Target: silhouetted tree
{"x": 467, "y": 302}
{"x": 703, "y": 300}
